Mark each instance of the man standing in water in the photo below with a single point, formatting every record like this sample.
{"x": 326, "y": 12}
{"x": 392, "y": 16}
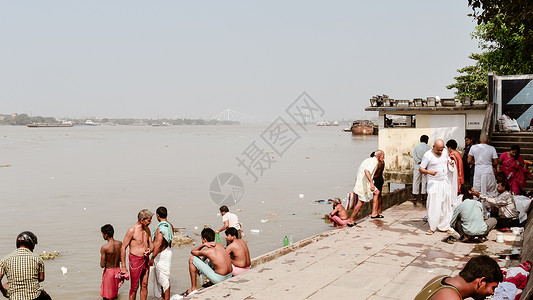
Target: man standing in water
{"x": 229, "y": 220}
{"x": 439, "y": 203}
{"x": 162, "y": 256}
{"x": 110, "y": 261}
{"x": 364, "y": 186}
{"x": 139, "y": 240}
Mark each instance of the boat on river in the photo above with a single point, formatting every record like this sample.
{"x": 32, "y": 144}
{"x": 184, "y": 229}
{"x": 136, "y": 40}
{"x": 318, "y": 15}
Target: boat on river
{"x": 364, "y": 127}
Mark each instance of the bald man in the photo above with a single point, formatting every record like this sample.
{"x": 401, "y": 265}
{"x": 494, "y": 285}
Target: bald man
{"x": 364, "y": 186}
{"x": 436, "y": 164}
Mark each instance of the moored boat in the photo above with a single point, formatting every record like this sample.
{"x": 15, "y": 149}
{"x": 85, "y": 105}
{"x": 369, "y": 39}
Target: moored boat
{"x": 363, "y": 127}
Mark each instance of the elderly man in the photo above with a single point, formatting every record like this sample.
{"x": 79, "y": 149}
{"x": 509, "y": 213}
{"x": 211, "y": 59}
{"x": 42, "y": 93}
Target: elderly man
{"x": 436, "y": 164}
{"x": 484, "y": 157}
{"x": 419, "y": 178}
{"x": 139, "y": 241}
{"x": 364, "y": 186}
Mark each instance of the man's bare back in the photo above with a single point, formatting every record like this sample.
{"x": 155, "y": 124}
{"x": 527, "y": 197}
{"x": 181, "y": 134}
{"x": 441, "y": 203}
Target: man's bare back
{"x": 340, "y": 211}
{"x": 218, "y": 256}
{"x": 239, "y": 253}
{"x": 110, "y": 254}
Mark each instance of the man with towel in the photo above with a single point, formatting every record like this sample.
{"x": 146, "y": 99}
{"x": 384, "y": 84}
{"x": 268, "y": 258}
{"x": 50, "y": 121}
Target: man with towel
{"x": 139, "y": 240}
{"x": 162, "y": 255}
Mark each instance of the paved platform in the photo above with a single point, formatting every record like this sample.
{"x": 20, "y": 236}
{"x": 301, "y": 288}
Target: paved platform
{"x": 390, "y": 258}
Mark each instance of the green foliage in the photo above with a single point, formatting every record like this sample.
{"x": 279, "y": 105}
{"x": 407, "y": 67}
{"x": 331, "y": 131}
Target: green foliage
{"x": 473, "y": 83}
{"x": 505, "y": 35}
{"x": 513, "y": 14}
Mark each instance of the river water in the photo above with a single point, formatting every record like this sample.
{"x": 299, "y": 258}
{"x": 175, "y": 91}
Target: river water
{"x": 65, "y": 183}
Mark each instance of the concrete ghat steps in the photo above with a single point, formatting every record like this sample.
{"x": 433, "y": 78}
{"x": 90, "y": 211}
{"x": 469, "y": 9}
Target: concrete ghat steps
{"x": 390, "y": 258}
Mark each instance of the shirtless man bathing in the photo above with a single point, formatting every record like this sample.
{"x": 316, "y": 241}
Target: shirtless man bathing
{"x": 339, "y": 216}
{"x": 139, "y": 240}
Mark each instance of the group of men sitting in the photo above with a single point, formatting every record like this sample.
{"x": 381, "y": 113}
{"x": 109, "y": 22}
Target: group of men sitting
{"x": 468, "y": 217}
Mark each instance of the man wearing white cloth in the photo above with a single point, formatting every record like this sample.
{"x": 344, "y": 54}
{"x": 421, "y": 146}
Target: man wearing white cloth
{"x": 162, "y": 255}
{"x": 436, "y": 164}
{"x": 484, "y": 157}
{"x": 364, "y": 186}
{"x": 419, "y": 178}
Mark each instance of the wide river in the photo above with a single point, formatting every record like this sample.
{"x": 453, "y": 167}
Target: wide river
{"x": 65, "y": 183}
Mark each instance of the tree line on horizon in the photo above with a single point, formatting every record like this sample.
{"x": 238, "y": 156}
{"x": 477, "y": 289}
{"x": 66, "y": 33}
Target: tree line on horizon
{"x": 505, "y": 35}
{"x": 24, "y": 119}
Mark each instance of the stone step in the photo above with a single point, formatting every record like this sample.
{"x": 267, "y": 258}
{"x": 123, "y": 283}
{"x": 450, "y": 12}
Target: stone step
{"x": 497, "y": 143}
{"x": 513, "y": 138}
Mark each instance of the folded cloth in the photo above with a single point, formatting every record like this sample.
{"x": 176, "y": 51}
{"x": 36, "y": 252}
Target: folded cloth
{"x": 110, "y": 282}
{"x": 238, "y": 271}
{"x": 166, "y": 230}
{"x": 138, "y": 266}
{"x": 505, "y": 291}
{"x": 122, "y": 277}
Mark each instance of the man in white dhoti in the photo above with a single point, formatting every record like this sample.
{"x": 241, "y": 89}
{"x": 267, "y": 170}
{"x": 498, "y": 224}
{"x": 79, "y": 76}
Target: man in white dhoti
{"x": 436, "y": 164}
{"x": 484, "y": 157}
{"x": 419, "y": 178}
{"x": 162, "y": 255}
{"x": 364, "y": 186}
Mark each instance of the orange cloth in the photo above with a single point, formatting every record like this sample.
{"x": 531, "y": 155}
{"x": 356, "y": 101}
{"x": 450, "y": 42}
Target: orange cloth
{"x": 456, "y": 157}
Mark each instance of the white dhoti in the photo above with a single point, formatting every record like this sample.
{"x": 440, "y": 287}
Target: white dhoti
{"x": 160, "y": 272}
{"x": 485, "y": 183}
{"x": 419, "y": 178}
{"x": 439, "y": 205}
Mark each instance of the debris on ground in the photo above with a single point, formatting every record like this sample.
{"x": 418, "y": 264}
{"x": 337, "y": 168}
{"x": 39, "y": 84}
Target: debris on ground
{"x": 49, "y": 255}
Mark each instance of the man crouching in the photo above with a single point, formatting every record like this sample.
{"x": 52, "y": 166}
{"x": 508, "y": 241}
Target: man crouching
{"x": 218, "y": 256}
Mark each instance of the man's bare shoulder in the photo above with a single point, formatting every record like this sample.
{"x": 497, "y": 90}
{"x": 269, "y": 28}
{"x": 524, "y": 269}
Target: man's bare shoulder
{"x": 231, "y": 246}
{"x": 117, "y": 244}
{"x": 446, "y": 294}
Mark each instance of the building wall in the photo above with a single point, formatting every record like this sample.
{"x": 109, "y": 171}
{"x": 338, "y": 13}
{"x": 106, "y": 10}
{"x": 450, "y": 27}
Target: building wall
{"x": 398, "y": 143}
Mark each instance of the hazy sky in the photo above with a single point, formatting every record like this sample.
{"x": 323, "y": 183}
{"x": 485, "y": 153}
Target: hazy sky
{"x": 150, "y": 59}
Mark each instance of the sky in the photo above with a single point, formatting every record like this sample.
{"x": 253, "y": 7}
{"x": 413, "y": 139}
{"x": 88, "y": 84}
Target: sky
{"x": 194, "y": 59}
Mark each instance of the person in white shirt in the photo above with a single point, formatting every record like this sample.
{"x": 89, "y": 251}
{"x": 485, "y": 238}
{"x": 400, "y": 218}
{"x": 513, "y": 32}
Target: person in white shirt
{"x": 436, "y": 164}
{"x": 229, "y": 220}
{"x": 419, "y": 178}
{"x": 484, "y": 157}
